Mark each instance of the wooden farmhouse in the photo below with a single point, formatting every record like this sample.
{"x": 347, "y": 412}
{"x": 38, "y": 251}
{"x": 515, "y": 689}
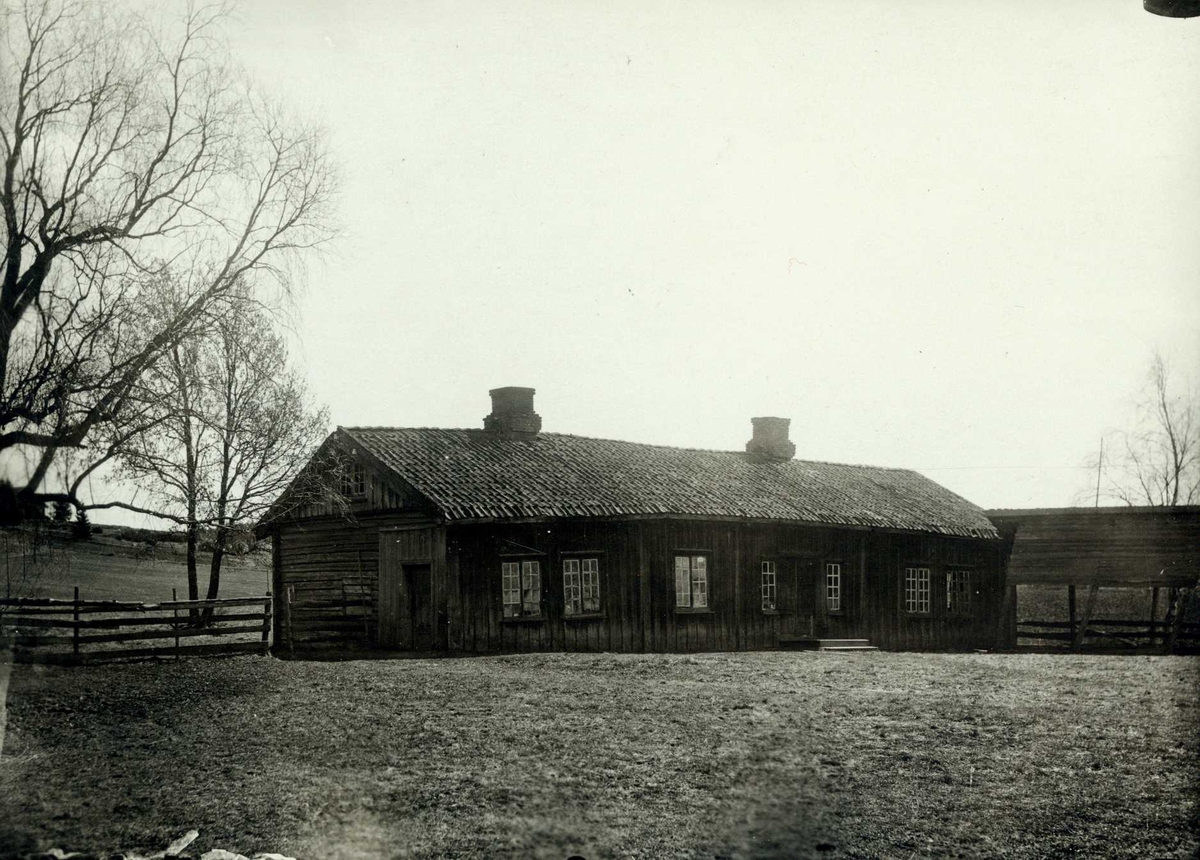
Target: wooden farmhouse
{"x": 505, "y": 538}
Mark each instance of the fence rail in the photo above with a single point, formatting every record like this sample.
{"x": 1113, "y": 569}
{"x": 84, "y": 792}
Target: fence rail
{"x": 1114, "y": 632}
{"x": 51, "y": 630}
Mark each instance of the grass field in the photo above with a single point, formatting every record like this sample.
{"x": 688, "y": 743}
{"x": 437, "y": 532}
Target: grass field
{"x": 1050, "y": 603}
{"x": 108, "y": 569}
{"x": 773, "y": 755}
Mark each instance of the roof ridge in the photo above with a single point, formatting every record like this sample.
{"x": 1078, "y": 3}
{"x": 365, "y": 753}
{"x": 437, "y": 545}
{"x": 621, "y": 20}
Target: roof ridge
{"x": 640, "y": 445}
{"x": 469, "y": 473}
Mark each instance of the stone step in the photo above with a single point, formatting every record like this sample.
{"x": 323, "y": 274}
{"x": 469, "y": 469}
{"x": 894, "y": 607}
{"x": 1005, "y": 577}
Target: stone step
{"x": 809, "y": 643}
{"x": 848, "y": 648}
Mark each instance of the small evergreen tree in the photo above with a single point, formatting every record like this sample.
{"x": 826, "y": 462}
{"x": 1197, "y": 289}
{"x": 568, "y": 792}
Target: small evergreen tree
{"x": 82, "y": 529}
{"x": 62, "y": 512}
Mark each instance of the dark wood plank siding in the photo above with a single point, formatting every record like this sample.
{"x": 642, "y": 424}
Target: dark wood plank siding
{"x": 1103, "y": 546}
{"x": 317, "y": 560}
{"x": 637, "y": 563}
{"x": 383, "y": 491}
{"x": 637, "y": 582}
{"x": 885, "y": 621}
{"x": 476, "y": 554}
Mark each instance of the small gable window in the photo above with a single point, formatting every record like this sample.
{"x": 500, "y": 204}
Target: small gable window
{"x": 833, "y": 586}
{"x": 581, "y": 586}
{"x": 916, "y": 590}
{"x": 521, "y": 585}
{"x": 958, "y": 591}
{"x": 354, "y": 481}
{"x": 769, "y": 592}
{"x": 691, "y": 582}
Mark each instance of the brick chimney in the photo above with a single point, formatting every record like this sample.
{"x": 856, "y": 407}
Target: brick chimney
{"x": 512, "y": 411}
{"x": 771, "y": 438}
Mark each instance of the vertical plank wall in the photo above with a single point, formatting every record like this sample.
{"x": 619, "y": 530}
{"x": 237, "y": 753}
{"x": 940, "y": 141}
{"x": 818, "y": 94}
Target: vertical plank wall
{"x": 637, "y": 581}
{"x": 327, "y": 551}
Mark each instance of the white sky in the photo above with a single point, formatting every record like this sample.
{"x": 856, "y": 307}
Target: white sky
{"x": 940, "y": 235}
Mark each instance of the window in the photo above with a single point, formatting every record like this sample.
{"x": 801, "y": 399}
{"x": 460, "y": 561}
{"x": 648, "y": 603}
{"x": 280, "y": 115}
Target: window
{"x": 581, "y": 586}
{"x": 958, "y": 591}
{"x": 833, "y": 586}
{"x": 916, "y": 589}
{"x": 354, "y": 481}
{"x": 768, "y": 586}
{"x": 691, "y": 582}
{"x": 521, "y": 583}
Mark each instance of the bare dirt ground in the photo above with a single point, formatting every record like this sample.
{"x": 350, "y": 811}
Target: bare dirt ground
{"x": 719, "y": 755}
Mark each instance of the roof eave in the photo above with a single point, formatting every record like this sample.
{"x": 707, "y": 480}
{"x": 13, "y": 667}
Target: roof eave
{"x": 963, "y": 533}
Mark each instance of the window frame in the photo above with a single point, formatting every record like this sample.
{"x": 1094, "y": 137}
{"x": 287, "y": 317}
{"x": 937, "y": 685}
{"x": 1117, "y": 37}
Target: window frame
{"x": 969, "y": 610}
{"x": 773, "y": 609}
{"x": 352, "y": 483}
{"x": 581, "y": 557}
{"x": 521, "y": 563}
{"x": 692, "y": 554}
{"x": 841, "y": 586}
{"x": 927, "y": 612}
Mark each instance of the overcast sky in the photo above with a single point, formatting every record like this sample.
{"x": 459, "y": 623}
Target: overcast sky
{"x": 943, "y": 235}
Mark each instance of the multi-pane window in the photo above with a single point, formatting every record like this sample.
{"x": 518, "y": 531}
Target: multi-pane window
{"x": 833, "y": 586}
{"x": 521, "y": 585}
{"x": 581, "y": 586}
{"x": 768, "y": 585}
{"x": 691, "y": 581}
{"x": 354, "y": 481}
{"x": 958, "y": 591}
{"x": 916, "y": 589}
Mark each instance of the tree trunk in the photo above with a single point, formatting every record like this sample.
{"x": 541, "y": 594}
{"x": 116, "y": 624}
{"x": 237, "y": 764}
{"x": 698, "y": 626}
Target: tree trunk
{"x": 193, "y": 578}
{"x": 214, "y": 572}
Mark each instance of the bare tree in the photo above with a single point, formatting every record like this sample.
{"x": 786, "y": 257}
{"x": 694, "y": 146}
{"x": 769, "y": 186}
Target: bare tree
{"x": 264, "y": 432}
{"x": 130, "y": 150}
{"x": 233, "y": 428}
{"x": 1157, "y": 462}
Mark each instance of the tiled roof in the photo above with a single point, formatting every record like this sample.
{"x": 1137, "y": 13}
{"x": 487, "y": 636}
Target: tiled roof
{"x": 475, "y": 474}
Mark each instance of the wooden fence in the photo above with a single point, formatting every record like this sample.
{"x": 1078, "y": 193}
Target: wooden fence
{"x": 1111, "y": 633}
{"x": 49, "y": 630}
{"x": 1177, "y": 630}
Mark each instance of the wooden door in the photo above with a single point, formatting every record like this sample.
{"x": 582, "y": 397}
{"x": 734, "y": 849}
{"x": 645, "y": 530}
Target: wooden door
{"x": 406, "y": 594}
{"x": 797, "y": 597}
{"x": 816, "y": 595}
{"x": 418, "y": 582}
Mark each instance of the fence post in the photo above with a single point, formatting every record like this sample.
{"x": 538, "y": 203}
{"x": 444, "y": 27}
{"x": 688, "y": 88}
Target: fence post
{"x": 291, "y": 591}
{"x": 1071, "y": 608}
{"x": 1088, "y": 609}
{"x": 175, "y": 613}
{"x": 266, "y": 631}
{"x": 1169, "y": 617}
{"x": 1183, "y": 598}
{"x": 75, "y": 627}
{"x": 1153, "y": 615}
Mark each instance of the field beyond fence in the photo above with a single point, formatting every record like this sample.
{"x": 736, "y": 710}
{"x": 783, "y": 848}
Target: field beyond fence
{"x": 50, "y": 630}
{"x": 1100, "y": 618}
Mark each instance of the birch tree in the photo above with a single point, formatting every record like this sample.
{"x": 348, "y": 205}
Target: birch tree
{"x": 1157, "y": 461}
{"x": 234, "y": 429}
